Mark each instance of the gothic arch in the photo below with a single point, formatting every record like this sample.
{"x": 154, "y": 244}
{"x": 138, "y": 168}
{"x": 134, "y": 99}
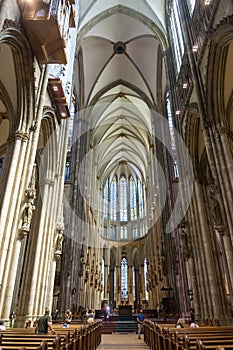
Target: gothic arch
{"x": 48, "y": 145}
{"x": 219, "y": 75}
{"x": 192, "y": 134}
{"x": 20, "y": 57}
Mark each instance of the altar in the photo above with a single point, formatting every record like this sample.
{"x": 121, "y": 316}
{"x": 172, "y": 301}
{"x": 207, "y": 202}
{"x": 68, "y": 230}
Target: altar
{"x": 125, "y": 310}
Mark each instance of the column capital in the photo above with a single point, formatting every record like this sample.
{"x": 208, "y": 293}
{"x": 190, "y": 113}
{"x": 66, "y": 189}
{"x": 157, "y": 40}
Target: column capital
{"x": 221, "y": 229}
{"x": 222, "y": 130}
{"x": 23, "y": 232}
{"x": 18, "y": 135}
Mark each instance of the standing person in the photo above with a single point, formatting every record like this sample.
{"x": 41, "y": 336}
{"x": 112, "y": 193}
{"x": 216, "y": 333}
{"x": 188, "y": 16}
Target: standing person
{"x": 44, "y": 324}
{"x": 140, "y": 321}
{"x": 12, "y": 319}
{"x": 192, "y": 315}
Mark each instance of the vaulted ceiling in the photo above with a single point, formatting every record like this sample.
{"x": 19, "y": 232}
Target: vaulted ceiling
{"x": 121, "y": 80}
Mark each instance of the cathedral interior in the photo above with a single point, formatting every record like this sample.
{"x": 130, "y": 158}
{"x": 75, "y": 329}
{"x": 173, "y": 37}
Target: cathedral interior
{"x": 116, "y": 157}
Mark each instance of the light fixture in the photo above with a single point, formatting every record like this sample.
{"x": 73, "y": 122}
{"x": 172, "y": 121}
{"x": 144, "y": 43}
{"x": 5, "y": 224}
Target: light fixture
{"x": 185, "y": 85}
{"x": 207, "y": 2}
{"x": 177, "y": 112}
{"x": 195, "y": 48}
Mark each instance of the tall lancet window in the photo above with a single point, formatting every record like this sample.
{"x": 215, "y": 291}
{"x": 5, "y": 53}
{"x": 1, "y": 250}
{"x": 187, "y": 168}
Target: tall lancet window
{"x": 140, "y": 199}
{"x": 113, "y": 199}
{"x": 133, "y": 201}
{"x": 124, "y": 279}
{"x": 123, "y": 198}
{"x": 177, "y": 36}
{"x": 191, "y": 5}
{"x": 102, "y": 278}
{"x": 124, "y": 206}
{"x": 172, "y": 136}
{"x": 106, "y": 200}
{"x": 146, "y": 279}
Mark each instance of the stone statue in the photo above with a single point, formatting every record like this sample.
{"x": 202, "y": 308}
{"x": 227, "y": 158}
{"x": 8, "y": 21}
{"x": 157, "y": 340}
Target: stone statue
{"x": 27, "y": 214}
{"x": 186, "y": 243}
{"x": 58, "y": 244}
{"x": 214, "y": 206}
{"x": 59, "y": 241}
{"x": 30, "y": 194}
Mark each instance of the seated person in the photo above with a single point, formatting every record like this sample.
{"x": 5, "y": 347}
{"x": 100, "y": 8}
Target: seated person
{"x": 180, "y": 323}
{"x": 2, "y": 327}
{"x": 192, "y": 324}
{"x": 68, "y": 317}
{"x": 90, "y": 316}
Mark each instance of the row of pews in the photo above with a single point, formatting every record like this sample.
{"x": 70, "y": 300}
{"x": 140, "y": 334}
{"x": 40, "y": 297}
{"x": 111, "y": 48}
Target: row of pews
{"x": 86, "y": 337}
{"x": 167, "y": 337}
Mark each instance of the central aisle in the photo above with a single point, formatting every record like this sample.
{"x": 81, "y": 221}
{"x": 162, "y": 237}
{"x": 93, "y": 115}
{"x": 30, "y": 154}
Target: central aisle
{"x": 122, "y": 342}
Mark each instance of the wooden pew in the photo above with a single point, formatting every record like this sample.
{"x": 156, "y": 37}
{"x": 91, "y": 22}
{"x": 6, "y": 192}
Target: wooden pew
{"x": 189, "y": 341}
{"x": 42, "y": 346}
{"x": 174, "y": 338}
{"x": 72, "y": 338}
{"x": 170, "y": 338}
{"x": 213, "y": 345}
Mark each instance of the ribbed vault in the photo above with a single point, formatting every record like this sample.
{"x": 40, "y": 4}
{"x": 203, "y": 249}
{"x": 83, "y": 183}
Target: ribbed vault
{"x": 122, "y": 74}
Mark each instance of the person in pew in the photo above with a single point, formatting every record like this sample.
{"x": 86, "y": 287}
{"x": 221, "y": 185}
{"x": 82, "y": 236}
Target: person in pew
{"x": 44, "y": 324}
{"x": 90, "y": 316}
{"x": 192, "y": 324}
{"x": 180, "y": 323}
{"x": 68, "y": 317}
{"x": 2, "y": 327}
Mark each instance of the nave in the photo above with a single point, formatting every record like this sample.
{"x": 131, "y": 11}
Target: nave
{"x": 116, "y": 159}
{"x": 121, "y": 342}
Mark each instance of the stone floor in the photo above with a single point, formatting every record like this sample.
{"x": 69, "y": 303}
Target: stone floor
{"x": 122, "y": 342}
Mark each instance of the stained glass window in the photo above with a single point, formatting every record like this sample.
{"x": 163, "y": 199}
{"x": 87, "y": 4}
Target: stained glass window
{"x": 172, "y": 136}
{"x": 113, "y": 200}
{"x": 124, "y": 279}
{"x": 113, "y": 232}
{"x": 123, "y": 198}
{"x": 123, "y": 204}
{"x": 140, "y": 199}
{"x": 191, "y": 5}
{"x": 134, "y": 232}
{"x": 123, "y": 233}
{"x": 145, "y": 279}
{"x": 177, "y": 36}
{"x": 133, "y": 201}
{"x": 106, "y": 200}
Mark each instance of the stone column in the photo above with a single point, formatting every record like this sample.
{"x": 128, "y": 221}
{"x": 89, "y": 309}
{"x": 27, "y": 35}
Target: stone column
{"x": 198, "y": 224}
{"x": 212, "y": 287}
{"x": 8, "y": 222}
{"x": 130, "y": 284}
{"x": 106, "y": 276}
{"x": 224, "y": 170}
{"x": 118, "y": 285}
{"x": 142, "y": 281}
{"x": 226, "y": 250}
{"x": 31, "y": 302}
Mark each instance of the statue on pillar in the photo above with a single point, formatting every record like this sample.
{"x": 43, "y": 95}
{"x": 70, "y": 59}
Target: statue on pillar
{"x": 186, "y": 242}
{"x": 59, "y": 241}
{"x": 215, "y": 207}
{"x": 29, "y": 206}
